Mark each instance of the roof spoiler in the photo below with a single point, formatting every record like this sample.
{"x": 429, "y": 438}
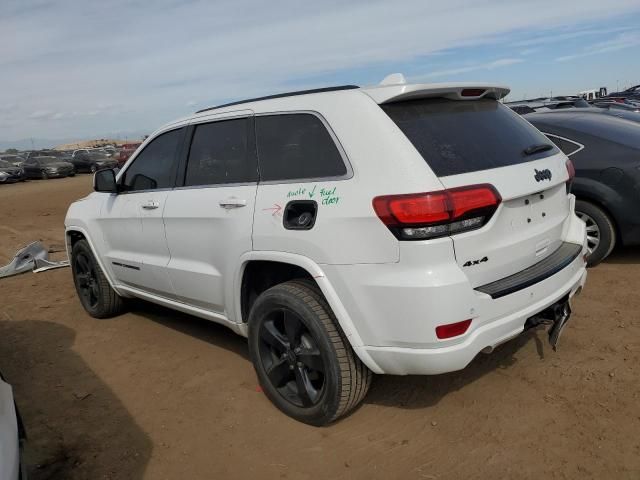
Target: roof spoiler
{"x": 388, "y": 93}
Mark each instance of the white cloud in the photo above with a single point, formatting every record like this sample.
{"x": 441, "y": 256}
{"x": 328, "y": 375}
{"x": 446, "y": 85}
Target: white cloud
{"x": 135, "y": 66}
{"x": 620, "y": 42}
{"x": 554, "y": 37}
{"x": 503, "y": 62}
{"x": 40, "y": 114}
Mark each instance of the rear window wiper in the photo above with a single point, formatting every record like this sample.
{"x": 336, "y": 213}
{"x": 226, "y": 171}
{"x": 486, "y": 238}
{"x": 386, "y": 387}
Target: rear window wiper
{"x": 543, "y": 147}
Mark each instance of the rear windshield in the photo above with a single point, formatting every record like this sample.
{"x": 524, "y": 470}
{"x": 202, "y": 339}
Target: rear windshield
{"x": 457, "y": 137}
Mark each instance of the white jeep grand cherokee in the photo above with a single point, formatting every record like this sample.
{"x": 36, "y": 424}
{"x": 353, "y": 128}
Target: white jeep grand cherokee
{"x": 396, "y": 229}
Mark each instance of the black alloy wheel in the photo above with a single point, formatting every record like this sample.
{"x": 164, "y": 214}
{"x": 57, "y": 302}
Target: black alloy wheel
{"x": 94, "y": 291}
{"x": 291, "y": 358}
{"x": 87, "y": 282}
{"x": 304, "y": 362}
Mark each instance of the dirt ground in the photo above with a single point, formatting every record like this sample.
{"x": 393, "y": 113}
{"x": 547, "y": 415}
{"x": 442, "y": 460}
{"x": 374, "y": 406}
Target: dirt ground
{"x": 155, "y": 394}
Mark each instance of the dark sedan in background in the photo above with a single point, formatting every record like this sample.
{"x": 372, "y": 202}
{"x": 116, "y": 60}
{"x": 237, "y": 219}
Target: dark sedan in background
{"x": 605, "y": 151}
{"x": 15, "y": 160}
{"x": 10, "y": 173}
{"x": 47, "y": 167}
{"x": 91, "y": 162}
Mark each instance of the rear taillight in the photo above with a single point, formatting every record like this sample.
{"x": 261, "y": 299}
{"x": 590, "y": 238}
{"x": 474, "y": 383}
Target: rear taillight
{"x": 572, "y": 173}
{"x": 420, "y": 216}
{"x": 570, "y": 169}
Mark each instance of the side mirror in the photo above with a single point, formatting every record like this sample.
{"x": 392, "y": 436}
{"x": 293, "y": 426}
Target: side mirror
{"x": 105, "y": 181}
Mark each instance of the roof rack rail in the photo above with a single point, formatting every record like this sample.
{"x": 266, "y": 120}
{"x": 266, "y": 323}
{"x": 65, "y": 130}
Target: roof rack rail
{"x": 281, "y": 95}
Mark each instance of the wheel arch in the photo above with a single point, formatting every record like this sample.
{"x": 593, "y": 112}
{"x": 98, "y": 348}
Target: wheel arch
{"x": 311, "y": 270}
{"x": 75, "y": 233}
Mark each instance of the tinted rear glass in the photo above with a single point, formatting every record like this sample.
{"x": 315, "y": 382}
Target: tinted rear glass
{"x": 457, "y": 137}
{"x": 296, "y": 146}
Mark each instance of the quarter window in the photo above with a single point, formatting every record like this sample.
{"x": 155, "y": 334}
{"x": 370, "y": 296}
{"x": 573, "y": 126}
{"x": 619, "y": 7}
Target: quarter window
{"x": 296, "y": 146}
{"x": 219, "y": 154}
{"x": 155, "y": 167}
{"x": 568, "y": 147}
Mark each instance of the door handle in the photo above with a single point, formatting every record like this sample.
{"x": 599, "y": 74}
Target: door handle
{"x": 232, "y": 203}
{"x": 151, "y": 205}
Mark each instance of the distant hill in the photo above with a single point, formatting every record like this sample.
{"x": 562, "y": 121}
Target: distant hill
{"x": 40, "y": 143}
{"x": 88, "y": 144}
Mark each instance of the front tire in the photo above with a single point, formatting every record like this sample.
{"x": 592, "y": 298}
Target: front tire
{"x": 304, "y": 364}
{"x": 601, "y": 232}
{"x": 44, "y": 175}
{"x": 95, "y": 294}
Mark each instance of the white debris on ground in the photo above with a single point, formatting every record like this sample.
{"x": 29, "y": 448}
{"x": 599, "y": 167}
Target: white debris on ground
{"x": 34, "y": 257}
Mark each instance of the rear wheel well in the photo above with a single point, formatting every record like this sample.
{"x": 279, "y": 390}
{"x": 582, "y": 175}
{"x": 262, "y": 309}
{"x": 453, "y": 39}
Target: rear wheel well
{"x": 260, "y": 275}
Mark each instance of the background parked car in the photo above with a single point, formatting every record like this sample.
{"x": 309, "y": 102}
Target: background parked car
{"x": 605, "y": 151}
{"x": 631, "y": 93}
{"x": 126, "y": 151}
{"x": 10, "y": 173}
{"x": 91, "y": 161}
{"x": 109, "y": 150}
{"x": 605, "y": 107}
{"x": 15, "y": 160}
{"x": 629, "y": 106}
{"x": 48, "y": 167}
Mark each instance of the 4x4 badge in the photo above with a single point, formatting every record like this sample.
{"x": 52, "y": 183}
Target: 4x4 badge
{"x": 542, "y": 174}
{"x": 475, "y": 262}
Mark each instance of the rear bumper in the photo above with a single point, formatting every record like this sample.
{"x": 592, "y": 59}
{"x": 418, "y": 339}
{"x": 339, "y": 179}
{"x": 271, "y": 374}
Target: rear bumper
{"x": 395, "y": 308}
{"x": 431, "y": 361}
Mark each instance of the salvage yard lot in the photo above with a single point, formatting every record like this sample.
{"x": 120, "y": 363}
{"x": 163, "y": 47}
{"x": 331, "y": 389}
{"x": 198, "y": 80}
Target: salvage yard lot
{"x": 159, "y": 395}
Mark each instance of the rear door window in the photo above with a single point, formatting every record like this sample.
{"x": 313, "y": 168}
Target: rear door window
{"x": 296, "y": 146}
{"x": 456, "y": 137}
{"x": 219, "y": 154}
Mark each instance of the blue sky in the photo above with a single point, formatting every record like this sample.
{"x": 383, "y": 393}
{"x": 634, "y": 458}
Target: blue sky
{"x": 81, "y": 69}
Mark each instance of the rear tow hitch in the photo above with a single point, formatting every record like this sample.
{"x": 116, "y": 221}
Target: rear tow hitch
{"x": 557, "y": 316}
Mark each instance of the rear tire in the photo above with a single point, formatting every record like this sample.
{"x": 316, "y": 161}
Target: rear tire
{"x": 44, "y": 175}
{"x": 95, "y": 294}
{"x": 303, "y": 361}
{"x": 601, "y": 232}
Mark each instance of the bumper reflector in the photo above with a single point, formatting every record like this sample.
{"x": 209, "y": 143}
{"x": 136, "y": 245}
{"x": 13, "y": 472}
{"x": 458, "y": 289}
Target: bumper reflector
{"x": 452, "y": 329}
